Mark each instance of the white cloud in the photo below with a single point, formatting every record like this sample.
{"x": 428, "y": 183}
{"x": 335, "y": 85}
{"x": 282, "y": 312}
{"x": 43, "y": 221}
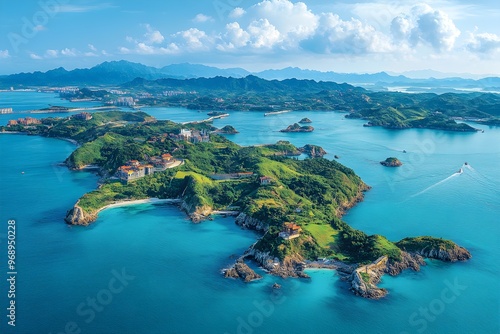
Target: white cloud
{"x": 483, "y": 43}
{"x": 4, "y": 54}
{"x": 346, "y": 37}
{"x": 424, "y": 25}
{"x": 201, "y": 18}
{"x": 35, "y": 56}
{"x": 153, "y": 36}
{"x": 263, "y": 34}
{"x": 237, "y": 13}
{"x": 193, "y": 40}
{"x": 275, "y": 26}
{"x": 69, "y": 52}
{"x": 92, "y": 47}
{"x": 234, "y": 37}
{"x": 51, "y": 53}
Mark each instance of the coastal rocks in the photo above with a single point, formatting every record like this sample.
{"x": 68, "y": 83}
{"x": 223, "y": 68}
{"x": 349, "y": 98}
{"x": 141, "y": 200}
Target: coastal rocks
{"x": 453, "y": 254}
{"x": 413, "y": 261}
{"x": 391, "y": 162}
{"x": 77, "y": 216}
{"x": 196, "y": 214}
{"x": 313, "y": 151}
{"x": 291, "y": 266}
{"x": 297, "y": 128}
{"x": 243, "y": 271}
{"x": 276, "y": 286}
{"x": 250, "y": 223}
{"x": 305, "y": 120}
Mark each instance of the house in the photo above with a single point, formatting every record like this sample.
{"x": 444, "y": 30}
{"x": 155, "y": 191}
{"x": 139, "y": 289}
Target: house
{"x": 290, "y": 231}
{"x": 12, "y": 122}
{"x": 265, "y": 180}
{"x": 167, "y": 157}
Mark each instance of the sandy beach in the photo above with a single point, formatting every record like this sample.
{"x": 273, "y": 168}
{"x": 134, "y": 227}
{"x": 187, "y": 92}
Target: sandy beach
{"x": 139, "y": 201}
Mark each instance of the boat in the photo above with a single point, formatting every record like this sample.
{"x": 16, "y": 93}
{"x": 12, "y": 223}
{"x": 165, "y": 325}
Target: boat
{"x": 460, "y": 171}
{"x": 466, "y": 163}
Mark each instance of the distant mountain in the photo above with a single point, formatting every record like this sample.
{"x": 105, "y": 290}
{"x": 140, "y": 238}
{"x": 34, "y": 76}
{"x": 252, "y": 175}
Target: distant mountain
{"x": 352, "y": 78}
{"x": 187, "y": 71}
{"x": 250, "y": 83}
{"x": 114, "y": 73}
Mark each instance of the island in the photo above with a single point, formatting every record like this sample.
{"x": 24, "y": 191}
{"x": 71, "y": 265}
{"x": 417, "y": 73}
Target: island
{"x": 295, "y": 205}
{"x": 391, "y": 162}
{"x": 305, "y": 120}
{"x": 297, "y": 128}
{"x": 228, "y": 130}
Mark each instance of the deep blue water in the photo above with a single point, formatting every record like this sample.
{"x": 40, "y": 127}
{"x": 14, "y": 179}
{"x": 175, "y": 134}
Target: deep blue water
{"x": 177, "y": 286}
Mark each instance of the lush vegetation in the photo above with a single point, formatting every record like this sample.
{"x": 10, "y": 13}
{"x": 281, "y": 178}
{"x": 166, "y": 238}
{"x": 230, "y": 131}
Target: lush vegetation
{"x": 312, "y": 193}
{"x": 426, "y": 242}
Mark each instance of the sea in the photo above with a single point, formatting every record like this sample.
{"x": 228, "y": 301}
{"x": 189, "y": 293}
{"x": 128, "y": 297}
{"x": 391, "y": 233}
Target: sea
{"x": 147, "y": 269}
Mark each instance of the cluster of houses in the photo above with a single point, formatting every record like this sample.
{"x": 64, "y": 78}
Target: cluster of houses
{"x": 134, "y": 169}
{"x": 192, "y": 136}
{"x": 24, "y": 121}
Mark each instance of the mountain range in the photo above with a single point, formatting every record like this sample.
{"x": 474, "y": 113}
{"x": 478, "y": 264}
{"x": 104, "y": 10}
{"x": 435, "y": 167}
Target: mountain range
{"x": 115, "y": 73}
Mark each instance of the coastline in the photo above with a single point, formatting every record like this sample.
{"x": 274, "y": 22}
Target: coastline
{"x": 152, "y": 200}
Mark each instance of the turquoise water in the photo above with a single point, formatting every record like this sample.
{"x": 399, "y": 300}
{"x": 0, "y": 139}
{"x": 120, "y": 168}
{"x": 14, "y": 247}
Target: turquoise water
{"x": 177, "y": 286}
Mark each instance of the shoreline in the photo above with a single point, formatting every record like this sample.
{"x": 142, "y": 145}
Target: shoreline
{"x": 152, "y": 200}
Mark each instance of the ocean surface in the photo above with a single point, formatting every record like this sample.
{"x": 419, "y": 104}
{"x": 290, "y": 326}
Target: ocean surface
{"x": 147, "y": 269}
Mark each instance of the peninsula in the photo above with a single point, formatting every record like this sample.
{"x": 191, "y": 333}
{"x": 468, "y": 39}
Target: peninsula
{"x": 296, "y": 205}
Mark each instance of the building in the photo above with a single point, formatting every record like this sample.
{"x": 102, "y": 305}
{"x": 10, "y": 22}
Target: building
{"x": 83, "y": 116}
{"x": 12, "y": 122}
{"x": 265, "y": 180}
{"x": 290, "y": 231}
{"x": 28, "y": 121}
{"x": 5, "y": 110}
{"x": 125, "y": 101}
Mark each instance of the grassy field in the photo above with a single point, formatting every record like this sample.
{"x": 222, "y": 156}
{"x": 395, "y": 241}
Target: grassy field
{"x": 324, "y": 234}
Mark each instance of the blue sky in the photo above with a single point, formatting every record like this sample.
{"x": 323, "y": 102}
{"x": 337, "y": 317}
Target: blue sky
{"x": 344, "y": 36}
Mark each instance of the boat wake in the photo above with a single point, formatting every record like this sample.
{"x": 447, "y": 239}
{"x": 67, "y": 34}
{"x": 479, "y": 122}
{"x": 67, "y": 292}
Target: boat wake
{"x": 458, "y": 173}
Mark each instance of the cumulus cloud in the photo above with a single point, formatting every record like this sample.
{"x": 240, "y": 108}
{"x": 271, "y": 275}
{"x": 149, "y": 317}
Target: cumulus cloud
{"x": 483, "y": 43}
{"x": 153, "y": 36}
{"x": 284, "y": 26}
{"x": 424, "y": 25}
{"x": 347, "y": 37}
{"x": 236, "y": 13}
{"x": 4, "y": 54}
{"x": 201, "y": 18}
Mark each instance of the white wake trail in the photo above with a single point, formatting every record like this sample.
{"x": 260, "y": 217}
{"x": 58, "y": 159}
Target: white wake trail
{"x": 438, "y": 183}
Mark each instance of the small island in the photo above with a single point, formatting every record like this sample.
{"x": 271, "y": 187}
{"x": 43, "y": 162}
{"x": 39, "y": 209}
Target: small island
{"x": 228, "y": 130}
{"x": 295, "y": 205}
{"x": 305, "y": 120}
{"x": 297, "y": 128}
{"x": 391, "y": 162}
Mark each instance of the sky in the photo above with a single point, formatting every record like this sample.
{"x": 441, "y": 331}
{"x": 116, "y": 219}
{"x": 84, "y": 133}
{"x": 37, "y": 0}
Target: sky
{"x": 451, "y": 36}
